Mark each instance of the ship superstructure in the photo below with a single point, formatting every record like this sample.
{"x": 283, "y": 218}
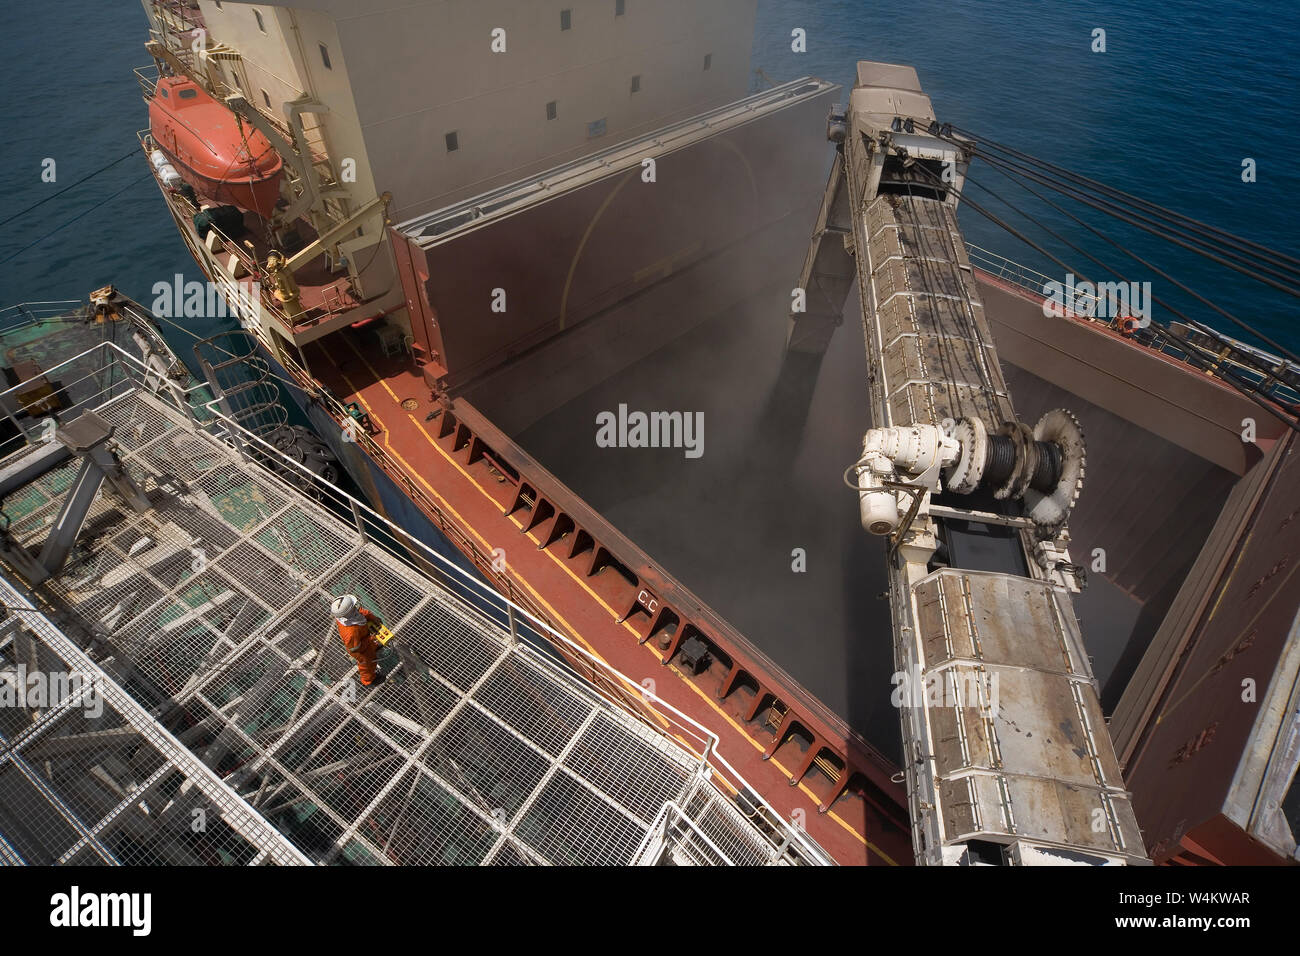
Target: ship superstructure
{"x": 364, "y": 104}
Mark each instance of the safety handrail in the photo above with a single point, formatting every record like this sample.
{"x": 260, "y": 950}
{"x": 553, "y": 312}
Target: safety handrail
{"x": 1223, "y": 352}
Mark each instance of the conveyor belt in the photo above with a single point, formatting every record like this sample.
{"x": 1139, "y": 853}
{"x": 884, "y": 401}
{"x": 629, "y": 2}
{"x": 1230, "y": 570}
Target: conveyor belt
{"x": 1005, "y": 750}
{"x": 926, "y": 329}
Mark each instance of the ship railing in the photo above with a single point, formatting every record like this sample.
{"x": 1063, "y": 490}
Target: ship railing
{"x": 177, "y": 23}
{"x": 180, "y": 208}
{"x": 242, "y": 379}
{"x": 1218, "y": 354}
{"x": 177, "y": 16}
{"x": 117, "y": 372}
{"x": 1197, "y": 345}
{"x": 290, "y": 323}
{"x": 673, "y": 829}
{"x": 498, "y": 201}
{"x": 1036, "y": 282}
{"x": 32, "y": 313}
{"x": 147, "y": 77}
{"x": 239, "y": 296}
{"x": 112, "y": 373}
{"x": 485, "y": 563}
{"x": 231, "y": 289}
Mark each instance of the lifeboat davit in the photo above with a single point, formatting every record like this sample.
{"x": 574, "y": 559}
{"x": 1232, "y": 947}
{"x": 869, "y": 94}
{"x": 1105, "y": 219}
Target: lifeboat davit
{"x": 223, "y": 158}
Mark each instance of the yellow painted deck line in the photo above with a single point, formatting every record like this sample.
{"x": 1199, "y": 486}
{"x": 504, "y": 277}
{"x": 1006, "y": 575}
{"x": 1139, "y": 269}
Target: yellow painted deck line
{"x": 705, "y": 697}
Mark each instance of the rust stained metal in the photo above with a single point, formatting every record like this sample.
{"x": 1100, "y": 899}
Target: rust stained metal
{"x": 1022, "y": 750}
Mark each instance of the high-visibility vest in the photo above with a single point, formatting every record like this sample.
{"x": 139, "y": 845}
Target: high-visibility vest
{"x": 354, "y": 635}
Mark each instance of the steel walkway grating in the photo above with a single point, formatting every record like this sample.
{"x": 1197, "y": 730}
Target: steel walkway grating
{"x": 228, "y": 698}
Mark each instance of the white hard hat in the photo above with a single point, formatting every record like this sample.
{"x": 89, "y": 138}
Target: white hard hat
{"x": 344, "y": 606}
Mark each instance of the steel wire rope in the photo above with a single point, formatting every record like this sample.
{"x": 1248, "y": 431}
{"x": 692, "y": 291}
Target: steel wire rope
{"x": 1146, "y": 224}
{"x": 1177, "y": 220}
{"x": 1064, "y": 190}
{"x": 83, "y": 213}
{"x": 1244, "y": 388}
{"x": 1182, "y": 224}
{"x": 1240, "y": 323}
{"x": 17, "y": 215}
{"x": 1008, "y": 167}
{"x": 1108, "y": 268}
{"x": 1188, "y": 223}
{"x": 924, "y": 244}
{"x": 1094, "y": 231}
{"x": 967, "y": 318}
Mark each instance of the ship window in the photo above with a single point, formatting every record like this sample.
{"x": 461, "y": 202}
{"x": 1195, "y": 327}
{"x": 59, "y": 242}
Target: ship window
{"x": 566, "y": 19}
{"x": 620, "y": 7}
{"x": 596, "y": 128}
{"x": 163, "y": 91}
{"x": 453, "y": 142}
{"x": 187, "y": 94}
{"x": 552, "y": 110}
{"x": 267, "y": 98}
{"x": 708, "y": 61}
{"x": 325, "y": 56}
{"x": 260, "y": 25}
{"x": 636, "y": 84}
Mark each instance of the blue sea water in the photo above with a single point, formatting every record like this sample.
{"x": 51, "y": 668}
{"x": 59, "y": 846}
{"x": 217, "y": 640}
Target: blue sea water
{"x": 1182, "y": 94}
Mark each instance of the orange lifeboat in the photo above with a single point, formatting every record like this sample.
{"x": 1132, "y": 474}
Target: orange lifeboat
{"x": 224, "y": 159}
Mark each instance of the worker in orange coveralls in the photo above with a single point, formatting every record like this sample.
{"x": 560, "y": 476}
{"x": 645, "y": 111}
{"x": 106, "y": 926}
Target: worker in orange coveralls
{"x": 355, "y": 625}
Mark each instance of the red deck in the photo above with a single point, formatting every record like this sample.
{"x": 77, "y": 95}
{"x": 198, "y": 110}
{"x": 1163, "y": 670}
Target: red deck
{"x": 592, "y": 603}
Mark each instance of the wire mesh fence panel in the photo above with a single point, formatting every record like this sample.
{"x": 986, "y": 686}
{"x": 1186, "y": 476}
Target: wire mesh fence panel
{"x": 34, "y": 508}
{"x": 31, "y": 822}
{"x": 508, "y": 854}
{"x": 302, "y": 543}
{"x": 571, "y": 825}
{"x": 137, "y": 422}
{"x": 543, "y": 711}
{"x": 85, "y": 785}
{"x": 493, "y": 766}
{"x": 727, "y": 828}
{"x": 239, "y": 500}
{"x": 438, "y": 637}
{"x": 419, "y": 822}
{"x": 634, "y": 772}
{"x": 260, "y": 575}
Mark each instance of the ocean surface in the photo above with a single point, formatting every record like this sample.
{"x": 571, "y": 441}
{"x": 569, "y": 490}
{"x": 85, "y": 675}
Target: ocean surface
{"x": 1182, "y": 94}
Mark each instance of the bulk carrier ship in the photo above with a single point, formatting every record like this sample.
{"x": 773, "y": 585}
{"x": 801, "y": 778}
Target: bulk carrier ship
{"x": 466, "y": 236}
